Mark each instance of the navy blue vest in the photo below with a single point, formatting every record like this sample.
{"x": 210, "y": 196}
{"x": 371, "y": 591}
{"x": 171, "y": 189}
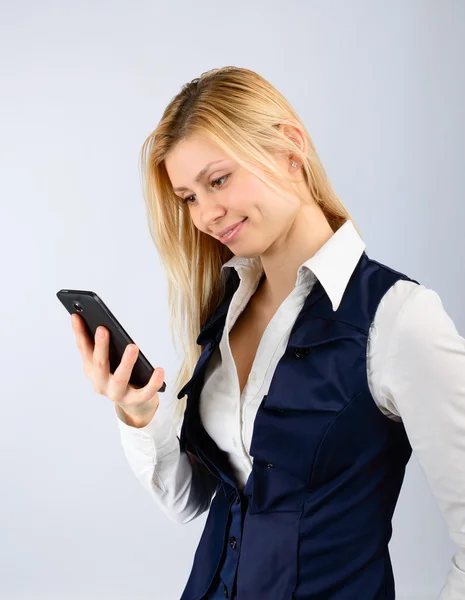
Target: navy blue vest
{"x": 314, "y": 519}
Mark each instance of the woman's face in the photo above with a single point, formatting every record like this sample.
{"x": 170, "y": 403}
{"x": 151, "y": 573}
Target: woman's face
{"x": 227, "y": 193}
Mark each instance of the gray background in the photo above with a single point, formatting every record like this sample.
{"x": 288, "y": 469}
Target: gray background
{"x": 380, "y": 88}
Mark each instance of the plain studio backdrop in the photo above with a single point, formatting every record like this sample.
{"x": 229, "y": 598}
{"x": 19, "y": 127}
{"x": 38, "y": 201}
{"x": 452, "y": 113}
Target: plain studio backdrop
{"x": 380, "y": 88}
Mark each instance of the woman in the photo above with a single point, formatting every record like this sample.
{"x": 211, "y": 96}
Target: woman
{"x": 324, "y": 365}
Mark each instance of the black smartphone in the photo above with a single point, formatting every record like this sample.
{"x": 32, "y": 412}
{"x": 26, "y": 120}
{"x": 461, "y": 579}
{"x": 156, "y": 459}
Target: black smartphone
{"x": 94, "y": 312}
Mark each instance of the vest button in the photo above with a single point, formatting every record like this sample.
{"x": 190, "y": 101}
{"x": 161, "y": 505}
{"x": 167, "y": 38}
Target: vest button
{"x": 232, "y": 542}
{"x": 270, "y": 466}
{"x": 301, "y": 352}
{"x": 225, "y": 591}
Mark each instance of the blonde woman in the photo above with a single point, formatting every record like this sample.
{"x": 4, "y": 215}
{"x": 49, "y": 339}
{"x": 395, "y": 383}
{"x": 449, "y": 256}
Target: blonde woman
{"x": 311, "y": 370}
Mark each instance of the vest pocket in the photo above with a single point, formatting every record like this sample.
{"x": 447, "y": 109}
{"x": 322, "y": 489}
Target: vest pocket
{"x": 269, "y": 555}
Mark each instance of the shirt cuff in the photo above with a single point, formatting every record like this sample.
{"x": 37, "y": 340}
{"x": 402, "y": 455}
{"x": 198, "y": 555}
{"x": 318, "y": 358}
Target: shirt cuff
{"x": 158, "y": 437}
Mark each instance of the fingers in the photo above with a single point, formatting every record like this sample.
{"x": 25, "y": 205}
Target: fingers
{"x": 118, "y": 385}
{"x": 100, "y": 361}
{"x": 94, "y": 353}
{"x": 84, "y": 343}
{"x": 151, "y": 388}
{"x": 95, "y": 357}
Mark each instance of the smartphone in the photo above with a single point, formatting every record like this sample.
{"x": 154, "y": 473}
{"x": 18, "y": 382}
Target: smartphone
{"x": 94, "y": 312}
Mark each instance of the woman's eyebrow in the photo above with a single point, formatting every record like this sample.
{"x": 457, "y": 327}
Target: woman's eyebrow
{"x": 200, "y": 174}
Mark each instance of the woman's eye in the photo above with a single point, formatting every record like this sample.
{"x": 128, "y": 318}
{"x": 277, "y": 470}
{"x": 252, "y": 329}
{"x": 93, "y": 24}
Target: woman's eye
{"x": 225, "y": 177}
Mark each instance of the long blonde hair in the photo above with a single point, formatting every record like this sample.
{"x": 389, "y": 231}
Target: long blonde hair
{"x": 239, "y": 111}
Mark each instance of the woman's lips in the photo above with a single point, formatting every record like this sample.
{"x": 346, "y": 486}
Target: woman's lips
{"x": 231, "y": 227}
{"x": 233, "y": 233}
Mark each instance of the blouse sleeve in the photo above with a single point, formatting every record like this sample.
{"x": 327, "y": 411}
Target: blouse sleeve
{"x": 179, "y": 484}
{"x": 423, "y": 380}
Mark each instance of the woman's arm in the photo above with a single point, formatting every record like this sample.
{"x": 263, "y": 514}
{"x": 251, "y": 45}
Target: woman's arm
{"x": 423, "y": 381}
{"x": 181, "y": 486}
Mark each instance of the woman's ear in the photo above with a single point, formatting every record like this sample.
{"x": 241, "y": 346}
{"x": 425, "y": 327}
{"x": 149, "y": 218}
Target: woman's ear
{"x": 296, "y": 134}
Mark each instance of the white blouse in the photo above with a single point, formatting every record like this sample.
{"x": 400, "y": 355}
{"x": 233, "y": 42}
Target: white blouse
{"x": 416, "y": 374}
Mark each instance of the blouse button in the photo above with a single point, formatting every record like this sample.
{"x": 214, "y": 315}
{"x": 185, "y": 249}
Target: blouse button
{"x": 301, "y": 352}
{"x": 270, "y": 466}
